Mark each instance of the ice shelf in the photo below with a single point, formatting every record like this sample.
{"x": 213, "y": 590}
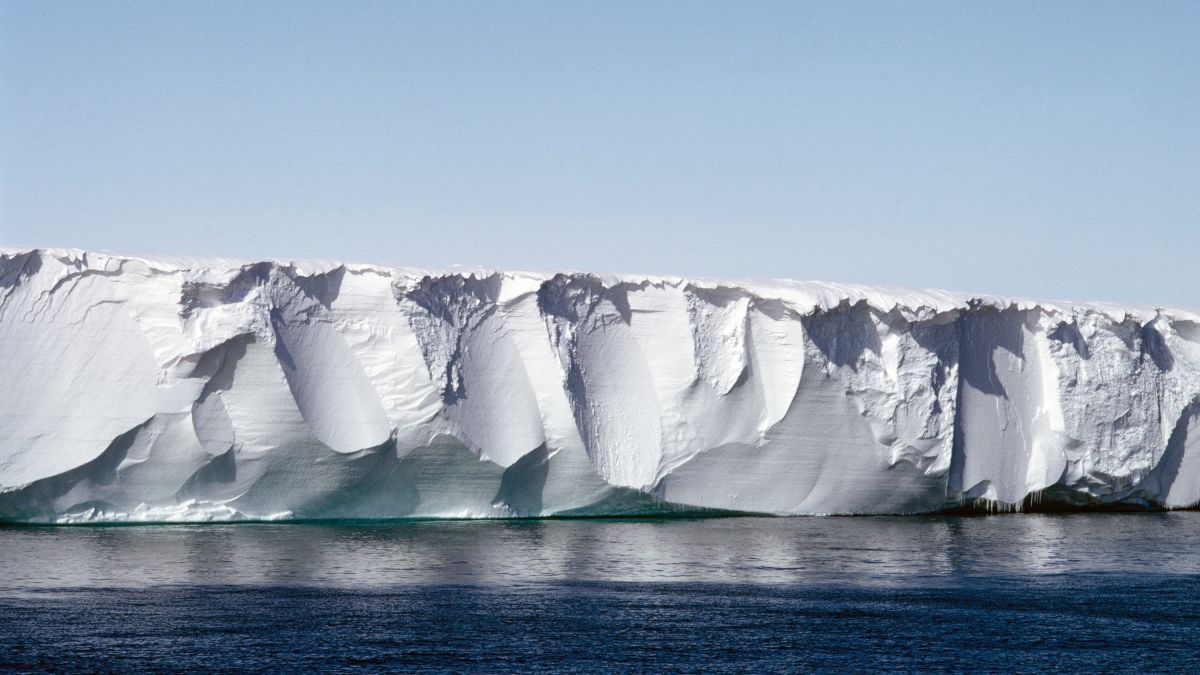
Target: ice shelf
{"x": 160, "y": 389}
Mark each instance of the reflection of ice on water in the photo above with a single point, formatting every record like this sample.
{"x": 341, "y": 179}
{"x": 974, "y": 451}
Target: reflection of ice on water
{"x": 1039, "y": 542}
{"x": 854, "y": 551}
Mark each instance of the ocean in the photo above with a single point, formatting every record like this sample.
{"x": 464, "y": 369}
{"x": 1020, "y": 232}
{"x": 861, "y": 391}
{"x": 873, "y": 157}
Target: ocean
{"x": 1018, "y": 592}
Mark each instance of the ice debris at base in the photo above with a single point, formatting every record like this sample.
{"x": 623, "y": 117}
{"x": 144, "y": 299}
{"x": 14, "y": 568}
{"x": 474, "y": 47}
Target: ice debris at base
{"x": 198, "y": 389}
{"x": 188, "y": 511}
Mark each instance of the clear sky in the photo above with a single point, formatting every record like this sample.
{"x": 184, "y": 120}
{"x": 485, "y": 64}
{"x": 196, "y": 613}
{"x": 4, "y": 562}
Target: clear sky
{"x": 1046, "y": 149}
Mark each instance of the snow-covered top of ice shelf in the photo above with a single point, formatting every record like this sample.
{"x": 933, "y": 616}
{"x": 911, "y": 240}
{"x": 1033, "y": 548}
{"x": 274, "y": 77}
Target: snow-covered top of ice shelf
{"x": 802, "y": 297}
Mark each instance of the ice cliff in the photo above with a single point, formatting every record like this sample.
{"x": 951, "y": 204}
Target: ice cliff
{"x": 191, "y": 389}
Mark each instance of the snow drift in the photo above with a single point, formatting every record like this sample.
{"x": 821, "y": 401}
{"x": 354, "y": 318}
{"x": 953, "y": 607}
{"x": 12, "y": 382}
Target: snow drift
{"x": 198, "y": 389}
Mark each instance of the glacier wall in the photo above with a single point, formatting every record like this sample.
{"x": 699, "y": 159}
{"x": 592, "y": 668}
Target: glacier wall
{"x": 199, "y": 389}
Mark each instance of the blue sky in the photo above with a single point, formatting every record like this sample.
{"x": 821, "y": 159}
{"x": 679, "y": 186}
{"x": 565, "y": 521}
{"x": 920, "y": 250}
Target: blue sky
{"x": 1033, "y": 148}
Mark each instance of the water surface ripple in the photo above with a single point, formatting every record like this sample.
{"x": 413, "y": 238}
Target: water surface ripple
{"x": 1018, "y": 592}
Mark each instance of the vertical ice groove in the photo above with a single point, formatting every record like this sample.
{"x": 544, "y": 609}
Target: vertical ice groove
{"x": 328, "y": 383}
{"x": 468, "y": 345}
{"x": 1175, "y": 481}
{"x": 447, "y": 309}
{"x": 187, "y": 388}
{"x": 607, "y": 378}
{"x": 719, "y": 320}
{"x": 368, "y": 316}
{"x": 776, "y": 355}
{"x": 1000, "y": 377}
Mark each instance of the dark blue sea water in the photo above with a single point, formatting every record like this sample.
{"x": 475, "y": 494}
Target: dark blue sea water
{"x": 1077, "y": 592}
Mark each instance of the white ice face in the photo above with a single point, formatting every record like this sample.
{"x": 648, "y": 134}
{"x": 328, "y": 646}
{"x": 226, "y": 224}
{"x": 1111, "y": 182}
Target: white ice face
{"x": 200, "y": 389}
